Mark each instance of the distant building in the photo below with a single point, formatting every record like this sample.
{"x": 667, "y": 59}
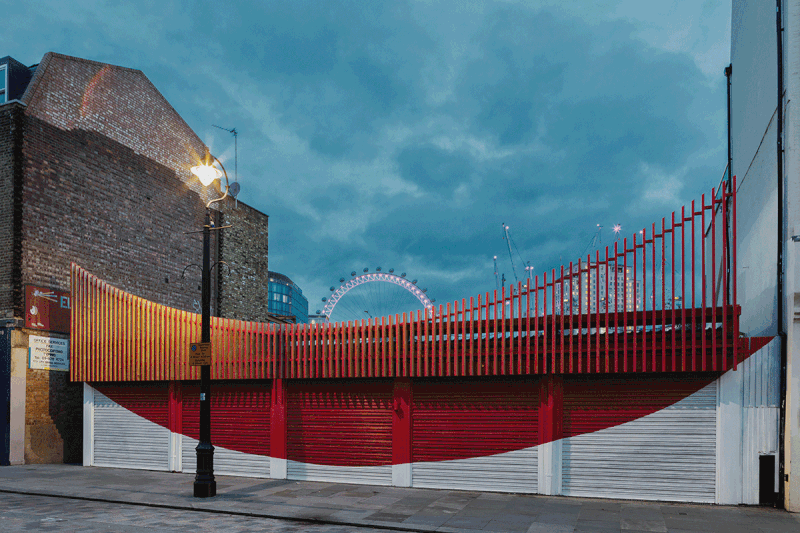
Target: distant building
{"x": 317, "y": 319}
{"x": 586, "y": 292}
{"x": 286, "y": 299}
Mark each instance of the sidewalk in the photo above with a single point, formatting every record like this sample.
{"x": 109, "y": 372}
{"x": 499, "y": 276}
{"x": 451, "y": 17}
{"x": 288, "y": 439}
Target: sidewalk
{"x": 389, "y": 507}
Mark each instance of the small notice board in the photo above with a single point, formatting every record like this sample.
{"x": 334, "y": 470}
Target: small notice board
{"x": 48, "y": 353}
{"x": 199, "y": 353}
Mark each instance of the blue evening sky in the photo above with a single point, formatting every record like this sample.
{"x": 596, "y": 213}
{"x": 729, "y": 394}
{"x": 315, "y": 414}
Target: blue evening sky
{"x": 403, "y": 134}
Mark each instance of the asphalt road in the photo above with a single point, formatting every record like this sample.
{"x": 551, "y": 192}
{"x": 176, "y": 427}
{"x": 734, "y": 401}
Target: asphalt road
{"x": 44, "y": 513}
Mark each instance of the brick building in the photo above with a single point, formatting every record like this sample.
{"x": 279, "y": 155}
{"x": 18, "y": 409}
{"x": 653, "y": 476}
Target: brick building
{"x": 94, "y": 169}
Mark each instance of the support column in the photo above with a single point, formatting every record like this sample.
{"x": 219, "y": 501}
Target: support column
{"x": 278, "y": 430}
{"x": 17, "y": 397}
{"x": 88, "y": 425}
{"x": 401, "y": 432}
{"x": 729, "y": 438}
{"x": 175, "y": 426}
{"x": 551, "y": 433}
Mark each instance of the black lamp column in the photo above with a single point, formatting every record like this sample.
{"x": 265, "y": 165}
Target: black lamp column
{"x": 204, "y": 484}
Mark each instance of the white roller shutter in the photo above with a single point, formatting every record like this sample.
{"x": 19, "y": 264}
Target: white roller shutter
{"x": 668, "y": 455}
{"x": 226, "y": 462}
{"x": 124, "y": 439}
{"x": 505, "y": 472}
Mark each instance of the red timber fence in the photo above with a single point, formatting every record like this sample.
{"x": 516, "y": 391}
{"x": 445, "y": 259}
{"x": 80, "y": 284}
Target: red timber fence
{"x": 631, "y": 309}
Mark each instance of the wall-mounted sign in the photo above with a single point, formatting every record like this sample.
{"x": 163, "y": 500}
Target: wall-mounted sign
{"x": 47, "y": 309}
{"x": 48, "y": 353}
{"x": 199, "y": 353}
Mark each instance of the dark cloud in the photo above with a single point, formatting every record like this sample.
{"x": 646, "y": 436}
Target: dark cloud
{"x": 426, "y": 126}
{"x": 433, "y": 168}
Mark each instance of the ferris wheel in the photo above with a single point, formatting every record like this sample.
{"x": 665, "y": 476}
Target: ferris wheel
{"x": 373, "y": 295}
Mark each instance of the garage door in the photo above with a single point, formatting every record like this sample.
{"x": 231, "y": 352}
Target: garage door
{"x": 649, "y": 438}
{"x": 340, "y": 431}
{"x": 130, "y": 425}
{"x": 240, "y": 416}
{"x": 475, "y": 435}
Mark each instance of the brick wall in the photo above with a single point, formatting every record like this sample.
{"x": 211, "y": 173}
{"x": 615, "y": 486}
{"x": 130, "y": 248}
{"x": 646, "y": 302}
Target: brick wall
{"x": 114, "y": 121}
{"x": 53, "y": 415}
{"x": 244, "y": 246}
{"x": 119, "y": 103}
{"x": 11, "y": 121}
{"x": 122, "y": 216}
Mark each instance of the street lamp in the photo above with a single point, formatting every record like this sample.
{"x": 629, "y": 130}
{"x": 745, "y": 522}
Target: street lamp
{"x": 204, "y": 484}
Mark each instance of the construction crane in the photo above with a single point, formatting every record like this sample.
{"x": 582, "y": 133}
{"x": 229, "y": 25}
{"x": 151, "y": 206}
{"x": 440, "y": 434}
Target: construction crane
{"x": 596, "y": 239}
{"x": 510, "y": 242}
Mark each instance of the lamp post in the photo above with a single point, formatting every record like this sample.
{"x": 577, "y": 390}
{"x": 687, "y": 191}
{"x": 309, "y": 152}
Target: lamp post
{"x": 204, "y": 484}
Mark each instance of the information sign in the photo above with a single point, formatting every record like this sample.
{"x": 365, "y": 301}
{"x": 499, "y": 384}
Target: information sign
{"x": 199, "y": 353}
{"x": 48, "y": 353}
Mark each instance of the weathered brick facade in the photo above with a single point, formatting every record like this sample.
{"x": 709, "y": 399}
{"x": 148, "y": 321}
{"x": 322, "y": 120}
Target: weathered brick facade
{"x": 11, "y": 124}
{"x": 95, "y": 169}
{"x": 243, "y": 293}
{"x": 94, "y": 201}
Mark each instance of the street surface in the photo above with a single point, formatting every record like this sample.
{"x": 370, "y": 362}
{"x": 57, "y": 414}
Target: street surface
{"x": 76, "y": 498}
{"x": 45, "y": 513}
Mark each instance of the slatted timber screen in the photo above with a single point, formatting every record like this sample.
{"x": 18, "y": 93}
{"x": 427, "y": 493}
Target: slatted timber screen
{"x": 665, "y": 301}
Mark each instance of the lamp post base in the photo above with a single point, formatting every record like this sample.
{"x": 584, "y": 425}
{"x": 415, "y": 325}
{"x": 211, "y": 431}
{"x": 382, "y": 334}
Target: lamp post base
{"x": 205, "y": 489}
{"x": 204, "y": 484}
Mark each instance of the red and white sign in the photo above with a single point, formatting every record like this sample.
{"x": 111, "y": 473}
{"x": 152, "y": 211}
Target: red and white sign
{"x": 47, "y": 309}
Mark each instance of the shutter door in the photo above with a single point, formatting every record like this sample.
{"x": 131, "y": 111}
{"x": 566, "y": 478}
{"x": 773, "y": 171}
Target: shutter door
{"x": 340, "y": 432}
{"x": 130, "y": 426}
{"x": 668, "y": 454}
{"x": 475, "y": 435}
{"x": 240, "y": 415}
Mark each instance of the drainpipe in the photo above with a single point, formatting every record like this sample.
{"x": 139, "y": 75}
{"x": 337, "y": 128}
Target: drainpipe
{"x": 728, "y": 71}
{"x": 780, "y": 292}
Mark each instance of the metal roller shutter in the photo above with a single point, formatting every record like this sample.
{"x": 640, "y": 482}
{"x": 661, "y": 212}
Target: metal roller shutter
{"x": 130, "y": 426}
{"x": 340, "y": 432}
{"x": 668, "y": 454}
{"x": 475, "y": 435}
{"x": 240, "y": 416}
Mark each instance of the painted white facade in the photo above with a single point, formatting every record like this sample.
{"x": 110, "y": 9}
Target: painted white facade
{"x": 754, "y": 130}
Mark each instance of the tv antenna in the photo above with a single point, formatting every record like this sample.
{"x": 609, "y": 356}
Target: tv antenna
{"x": 234, "y": 187}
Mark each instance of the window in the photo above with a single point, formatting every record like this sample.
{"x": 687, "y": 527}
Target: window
{"x": 3, "y": 84}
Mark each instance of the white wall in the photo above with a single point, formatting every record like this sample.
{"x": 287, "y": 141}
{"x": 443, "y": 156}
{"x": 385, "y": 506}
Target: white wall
{"x": 753, "y": 102}
{"x": 753, "y": 142}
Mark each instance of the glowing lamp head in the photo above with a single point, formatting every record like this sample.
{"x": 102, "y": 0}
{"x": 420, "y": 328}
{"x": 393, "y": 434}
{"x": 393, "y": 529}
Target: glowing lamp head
{"x": 206, "y": 174}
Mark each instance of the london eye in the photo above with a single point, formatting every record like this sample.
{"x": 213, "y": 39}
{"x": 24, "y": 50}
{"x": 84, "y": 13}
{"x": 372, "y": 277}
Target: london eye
{"x": 364, "y": 295}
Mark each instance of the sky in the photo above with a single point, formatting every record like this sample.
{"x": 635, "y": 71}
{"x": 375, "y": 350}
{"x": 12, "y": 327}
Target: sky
{"x": 404, "y": 134}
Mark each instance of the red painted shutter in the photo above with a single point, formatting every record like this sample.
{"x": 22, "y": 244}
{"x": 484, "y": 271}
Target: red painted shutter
{"x": 641, "y": 437}
{"x": 340, "y": 431}
{"x": 240, "y": 433}
{"x": 131, "y": 425}
{"x": 475, "y": 435}
{"x": 592, "y": 404}
{"x": 147, "y": 399}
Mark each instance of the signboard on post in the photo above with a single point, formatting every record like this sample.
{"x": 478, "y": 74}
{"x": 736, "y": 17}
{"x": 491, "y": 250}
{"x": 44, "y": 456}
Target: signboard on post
{"x": 48, "y": 353}
{"x": 199, "y": 353}
{"x": 47, "y": 309}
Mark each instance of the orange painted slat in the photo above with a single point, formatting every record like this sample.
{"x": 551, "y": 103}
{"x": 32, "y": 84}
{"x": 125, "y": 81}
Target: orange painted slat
{"x": 448, "y": 353}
